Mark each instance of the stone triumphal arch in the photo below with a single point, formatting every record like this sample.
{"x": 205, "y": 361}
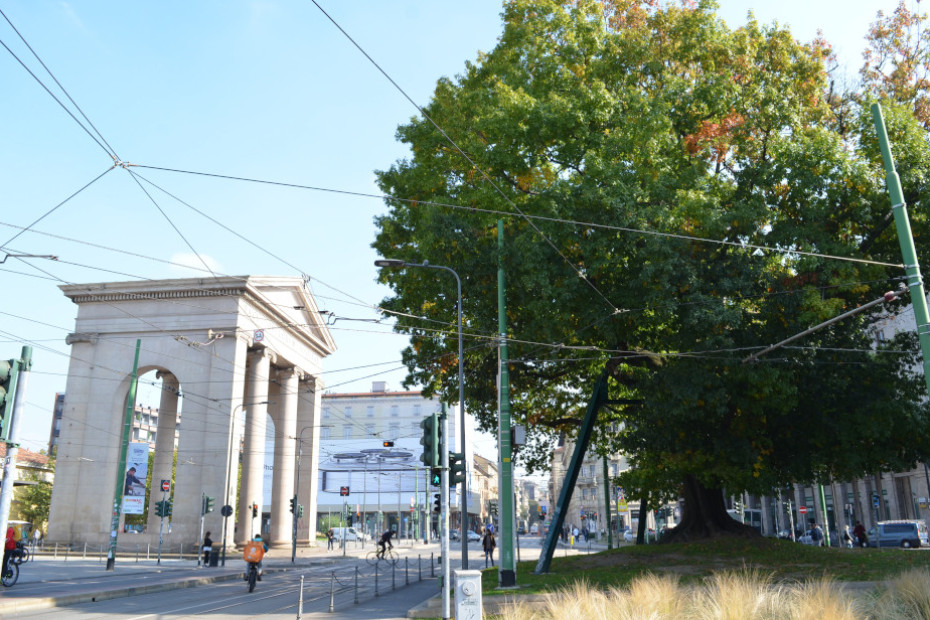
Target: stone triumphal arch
{"x": 231, "y": 347}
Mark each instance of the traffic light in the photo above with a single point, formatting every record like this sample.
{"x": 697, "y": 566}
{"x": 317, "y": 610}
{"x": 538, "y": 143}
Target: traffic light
{"x": 300, "y": 511}
{"x": 437, "y": 503}
{"x": 293, "y": 504}
{"x": 457, "y": 467}
{"x": 387, "y": 444}
{"x": 168, "y": 508}
{"x": 208, "y": 504}
{"x": 435, "y": 476}
{"x": 9, "y": 371}
{"x": 430, "y": 441}
{"x": 254, "y": 510}
{"x": 160, "y": 509}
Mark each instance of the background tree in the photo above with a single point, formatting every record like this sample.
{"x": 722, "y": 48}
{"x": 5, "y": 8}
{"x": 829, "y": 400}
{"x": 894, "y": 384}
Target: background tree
{"x": 31, "y": 502}
{"x": 654, "y": 151}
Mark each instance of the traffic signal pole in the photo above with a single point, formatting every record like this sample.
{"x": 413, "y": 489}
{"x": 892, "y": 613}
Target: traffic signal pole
{"x": 19, "y": 371}
{"x": 445, "y": 581}
{"x": 507, "y": 576}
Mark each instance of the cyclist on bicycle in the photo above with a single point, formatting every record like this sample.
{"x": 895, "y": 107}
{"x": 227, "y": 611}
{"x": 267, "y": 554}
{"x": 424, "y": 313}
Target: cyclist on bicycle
{"x": 385, "y": 542}
{"x": 253, "y": 553}
{"x": 9, "y": 547}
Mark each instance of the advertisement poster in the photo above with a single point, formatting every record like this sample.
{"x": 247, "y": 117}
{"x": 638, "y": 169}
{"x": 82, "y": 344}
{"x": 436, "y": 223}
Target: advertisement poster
{"x": 137, "y": 469}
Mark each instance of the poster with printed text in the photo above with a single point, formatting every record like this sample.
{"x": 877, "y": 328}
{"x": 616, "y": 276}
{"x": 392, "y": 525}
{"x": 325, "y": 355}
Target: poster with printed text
{"x": 137, "y": 469}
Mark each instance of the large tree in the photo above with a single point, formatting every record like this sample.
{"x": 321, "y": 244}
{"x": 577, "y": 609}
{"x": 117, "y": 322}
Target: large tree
{"x": 638, "y": 155}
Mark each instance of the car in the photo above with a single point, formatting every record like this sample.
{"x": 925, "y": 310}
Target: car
{"x": 453, "y": 535}
{"x": 902, "y": 533}
{"x": 628, "y": 535}
{"x": 350, "y": 534}
{"x": 472, "y": 536}
{"x": 521, "y": 530}
{"x": 534, "y": 529}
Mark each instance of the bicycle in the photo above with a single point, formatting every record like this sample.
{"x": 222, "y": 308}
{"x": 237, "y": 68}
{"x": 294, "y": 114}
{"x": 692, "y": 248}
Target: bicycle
{"x": 20, "y": 554}
{"x": 252, "y": 575}
{"x": 10, "y": 575}
{"x": 389, "y": 555}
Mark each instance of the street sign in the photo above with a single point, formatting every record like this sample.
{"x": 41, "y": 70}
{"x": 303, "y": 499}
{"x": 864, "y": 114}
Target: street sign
{"x": 258, "y": 336}
{"x": 226, "y": 510}
{"x": 343, "y": 491}
{"x": 165, "y": 485}
{"x": 802, "y": 509}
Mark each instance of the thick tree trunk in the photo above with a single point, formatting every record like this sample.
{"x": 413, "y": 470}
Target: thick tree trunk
{"x": 704, "y": 515}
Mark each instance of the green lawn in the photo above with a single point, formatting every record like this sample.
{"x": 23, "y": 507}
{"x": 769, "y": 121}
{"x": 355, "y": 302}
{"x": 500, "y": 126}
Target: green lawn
{"x": 785, "y": 560}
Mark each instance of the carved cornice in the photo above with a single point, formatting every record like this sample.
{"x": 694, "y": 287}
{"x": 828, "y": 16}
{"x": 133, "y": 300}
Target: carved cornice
{"x": 111, "y": 296}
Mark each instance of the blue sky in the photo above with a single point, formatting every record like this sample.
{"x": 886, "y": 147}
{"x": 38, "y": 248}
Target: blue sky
{"x": 263, "y": 89}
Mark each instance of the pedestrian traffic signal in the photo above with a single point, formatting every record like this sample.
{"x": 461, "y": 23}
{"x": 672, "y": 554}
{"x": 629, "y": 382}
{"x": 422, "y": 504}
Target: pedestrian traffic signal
{"x": 300, "y": 511}
{"x": 208, "y": 504}
{"x": 437, "y": 503}
{"x": 457, "y": 468}
{"x": 430, "y": 441}
{"x": 254, "y": 510}
{"x": 9, "y": 371}
{"x": 293, "y": 508}
{"x": 435, "y": 476}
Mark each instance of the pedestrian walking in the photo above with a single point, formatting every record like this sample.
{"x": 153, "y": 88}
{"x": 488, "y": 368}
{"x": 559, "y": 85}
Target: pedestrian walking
{"x": 859, "y": 532}
{"x": 488, "y": 544}
{"x": 330, "y": 536}
{"x": 207, "y": 548}
{"x": 847, "y": 538}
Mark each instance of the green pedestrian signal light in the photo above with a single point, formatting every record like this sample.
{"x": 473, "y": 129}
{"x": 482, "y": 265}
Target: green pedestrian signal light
{"x": 457, "y": 468}
{"x": 435, "y": 476}
{"x": 430, "y": 441}
{"x": 300, "y": 511}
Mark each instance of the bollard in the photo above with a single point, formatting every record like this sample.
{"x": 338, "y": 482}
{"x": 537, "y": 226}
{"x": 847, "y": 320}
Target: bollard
{"x": 356, "y": 585}
{"x": 181, "y": 552}
{"x": 376, "y": 578}
{"x": 393, "y": 573}
{"x": 432, "y": 565}
{"x": 84, "y": 557}
{"x": 300, "y": 599}
{"x": 406, "y": 572}
{"x": 332, "y": 592}
{"x": 67, "y": 552}
{"x": 100, "y": 557}
{"x": 56, "y": 551}
{"x": 148, "y": 552}
{"x": 419, "y": 568}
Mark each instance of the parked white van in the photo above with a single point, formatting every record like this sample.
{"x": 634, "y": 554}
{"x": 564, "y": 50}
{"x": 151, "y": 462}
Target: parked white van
{"x": 350, "y": 533}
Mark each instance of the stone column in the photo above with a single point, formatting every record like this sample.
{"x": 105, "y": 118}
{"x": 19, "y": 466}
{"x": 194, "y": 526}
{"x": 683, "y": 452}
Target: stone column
{"x": 254, "y": 449}
{"x": 164, "y": 445}
{"x": 308, "y": 416}
{"x": 282, "y": 489}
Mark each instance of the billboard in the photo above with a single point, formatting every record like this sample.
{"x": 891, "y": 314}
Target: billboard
{"x": 137, "y": 469}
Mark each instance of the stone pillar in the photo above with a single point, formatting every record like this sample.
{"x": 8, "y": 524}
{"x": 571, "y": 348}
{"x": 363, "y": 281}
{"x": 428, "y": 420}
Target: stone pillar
{"x": 254, "y": 449}
{"x": 285, "y": 439}
{"x": 164, "y": 445}
{"x": 308, "y": 417}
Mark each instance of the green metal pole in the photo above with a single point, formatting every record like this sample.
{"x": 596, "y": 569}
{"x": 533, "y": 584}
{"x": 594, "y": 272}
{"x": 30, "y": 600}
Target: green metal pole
{"x": 906, "y": 240}
{"x": 610, "y": 536}
{"x": 507, "y": 576}
{"x": 121, "y": 466}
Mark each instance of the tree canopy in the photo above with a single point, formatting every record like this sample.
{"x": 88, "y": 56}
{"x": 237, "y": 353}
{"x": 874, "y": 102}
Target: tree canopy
{"x": 676, "y": 195}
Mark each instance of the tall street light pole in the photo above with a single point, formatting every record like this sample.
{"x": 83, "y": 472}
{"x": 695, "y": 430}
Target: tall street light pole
{"x": 396, "y": 263}
{"x": 229, "y": 473}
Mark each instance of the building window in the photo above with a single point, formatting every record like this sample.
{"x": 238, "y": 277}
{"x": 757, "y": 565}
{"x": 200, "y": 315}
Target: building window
{"x": 393, "y": 411}
{"x": 370, "y": 411}
{"x": 324, "y": 432}
{"x": 325, "y": 412}
{"x": 369, "y": 430}
{"x": 347, "y": 431}
{"x": 416, "y": 410}
{"x": 394, "y": 430}
{"x": 879, "y": 337}
{"x": 348, "y": 412}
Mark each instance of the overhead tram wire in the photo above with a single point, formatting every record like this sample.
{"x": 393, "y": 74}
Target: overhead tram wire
{"x": 541, "y": 218}
{"x": 110, "y": 150}
{"x": 55, "y": 208}
{"x": 168, "y": 219}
